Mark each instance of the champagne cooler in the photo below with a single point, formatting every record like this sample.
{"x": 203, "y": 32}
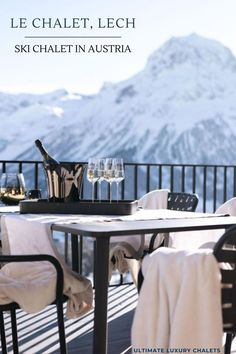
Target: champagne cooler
{"x": 64, "y": 181}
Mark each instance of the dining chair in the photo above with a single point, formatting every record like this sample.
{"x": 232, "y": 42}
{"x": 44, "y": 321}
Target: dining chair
{"x": 225, "y": 253}
{"x": 204, "y": 238}
{"x": 11, "y": 307}
{"x": 228, "y": 207}
{"x": 177, "y": 201}
{"x": 129, "y": 249}
{"x": 182, "y": 201}
{"x": 164, "y": 199}
{"x": 156, "y": 199}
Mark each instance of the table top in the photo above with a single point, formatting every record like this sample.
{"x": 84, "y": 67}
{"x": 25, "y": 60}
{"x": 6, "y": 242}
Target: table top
{"x": 119, "y": 228}
{"x": 143, "y": 222}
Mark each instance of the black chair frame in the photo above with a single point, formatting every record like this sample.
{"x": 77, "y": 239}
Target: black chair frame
{"x": 225, "y": 251}
{"x": 12, "y": 307}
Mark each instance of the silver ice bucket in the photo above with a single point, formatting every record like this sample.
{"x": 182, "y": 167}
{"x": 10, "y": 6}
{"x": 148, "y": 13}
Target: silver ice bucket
{"x": 64, "y": 181}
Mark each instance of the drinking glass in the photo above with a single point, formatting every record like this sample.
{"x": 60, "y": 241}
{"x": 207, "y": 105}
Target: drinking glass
{"x": 101, "y": 174}
{"x": 109, "y": 173}
{"x": 12, "y": 188}
{"x": 34, "y": 194}
{"x": 119, "y": 174}
{"x": 92, "y": 173}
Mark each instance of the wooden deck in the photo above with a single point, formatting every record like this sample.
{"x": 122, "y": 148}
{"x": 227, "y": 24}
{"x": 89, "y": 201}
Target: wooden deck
{"x": 38, "y": 333}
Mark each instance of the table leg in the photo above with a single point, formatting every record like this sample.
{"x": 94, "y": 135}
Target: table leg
{"x": 101, "y": 290}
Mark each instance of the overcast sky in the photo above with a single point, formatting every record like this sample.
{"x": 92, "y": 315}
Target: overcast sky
{"x": 156, "y": 22}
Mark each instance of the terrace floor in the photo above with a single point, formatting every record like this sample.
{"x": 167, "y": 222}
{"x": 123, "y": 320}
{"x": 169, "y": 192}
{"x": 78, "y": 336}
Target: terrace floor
{"x": 38, "y": 333}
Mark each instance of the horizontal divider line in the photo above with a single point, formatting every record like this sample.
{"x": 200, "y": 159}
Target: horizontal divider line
{"x": 73, "y": 37}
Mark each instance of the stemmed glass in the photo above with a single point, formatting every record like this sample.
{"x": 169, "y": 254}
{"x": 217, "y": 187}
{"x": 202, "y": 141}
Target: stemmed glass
{"x": 12, "y": 188}
{"x": 109, "y": 173}
{"x": 101, "y": 174}
{"x": 92, "y": 173}
{"x": 119, "y": 174}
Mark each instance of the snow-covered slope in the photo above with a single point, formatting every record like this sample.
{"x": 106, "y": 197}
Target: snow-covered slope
{"x": 180, "y": 108}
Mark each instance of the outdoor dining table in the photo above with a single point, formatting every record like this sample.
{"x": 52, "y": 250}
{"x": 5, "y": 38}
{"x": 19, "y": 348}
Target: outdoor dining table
{"x": 102, "y": 228}
{"x": 103, "y": 231}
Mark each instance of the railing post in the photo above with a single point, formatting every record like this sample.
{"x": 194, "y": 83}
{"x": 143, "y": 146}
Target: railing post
{"x": 171, "y": 178}
{"x": 194, "y": 179}
{"x": 225, "y": 183}
{"x": 4, "y": 167}
{"x": 36, "y": 175}
{"x": 204, "y": 187}
{"x": 160, "y": 177}
{"x": 183, "y": 179}
{"x": 234, "y": 182}
{"x": 20, "y": 167}
{"x": 148, "y": 179}
{"x": 214, "y": 188}
{"x": 136, "y": 181}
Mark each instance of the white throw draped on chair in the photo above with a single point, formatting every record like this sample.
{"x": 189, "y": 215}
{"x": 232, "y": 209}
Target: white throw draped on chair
{"x": 202, "y": 239}
{"x": 32, "y": 285}
{"x": 133, "y": 246}
{"x": 180, "y": 301}
{"x": 157, "y": 199}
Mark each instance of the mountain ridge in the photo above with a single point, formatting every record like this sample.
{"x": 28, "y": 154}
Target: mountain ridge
{"x": 180, "y": 108}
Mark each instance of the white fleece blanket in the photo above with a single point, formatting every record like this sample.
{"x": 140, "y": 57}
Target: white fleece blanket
{"x": 180, "y": 301}
{"x": 133, "y": 246}
{"x": 157, "y": 199}
{"x": 32, "y": 285}
{"x": 204, "y": 238}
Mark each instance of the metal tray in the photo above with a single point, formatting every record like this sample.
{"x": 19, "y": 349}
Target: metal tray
{"x": 39, "y": 206}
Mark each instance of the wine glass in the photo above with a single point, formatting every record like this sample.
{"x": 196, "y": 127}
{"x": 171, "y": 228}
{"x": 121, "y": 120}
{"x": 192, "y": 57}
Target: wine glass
{"x": 92, "y": 173}
{"x": 101, "y": 173}
{"x": 12, "y": 188}
{"x": 119, "y": 173}
{"x": 109, "y": 173}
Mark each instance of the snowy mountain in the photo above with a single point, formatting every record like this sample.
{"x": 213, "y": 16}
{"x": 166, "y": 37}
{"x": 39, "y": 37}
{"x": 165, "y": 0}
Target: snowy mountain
{"x": 180, "y": 108}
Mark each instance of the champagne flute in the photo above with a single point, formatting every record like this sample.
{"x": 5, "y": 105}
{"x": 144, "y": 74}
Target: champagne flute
{"x": 101, "y": 173}
{"x": 12, "y": 188}
{"x": 92, "y": 173}
{"x": 119, "y": 174}
{"x": 109, "y": 173}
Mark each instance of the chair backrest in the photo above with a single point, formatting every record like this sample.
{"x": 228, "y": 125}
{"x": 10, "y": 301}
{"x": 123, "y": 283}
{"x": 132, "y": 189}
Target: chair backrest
{"x": 229, "y": 207}
{"x": 175, "y": 201}
{"x": 225, "y": 251}
{"x": 155, "y": 199}
{"x": 182, "y": 201}
{"x": 15, "y": 304}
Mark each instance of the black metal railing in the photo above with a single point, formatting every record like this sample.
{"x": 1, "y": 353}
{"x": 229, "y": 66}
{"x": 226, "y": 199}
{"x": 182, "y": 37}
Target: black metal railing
{"x": 213, "y": 183}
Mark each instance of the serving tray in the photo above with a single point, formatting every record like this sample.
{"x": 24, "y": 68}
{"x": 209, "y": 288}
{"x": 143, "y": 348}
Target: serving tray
{"x": 39, "y": 206}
